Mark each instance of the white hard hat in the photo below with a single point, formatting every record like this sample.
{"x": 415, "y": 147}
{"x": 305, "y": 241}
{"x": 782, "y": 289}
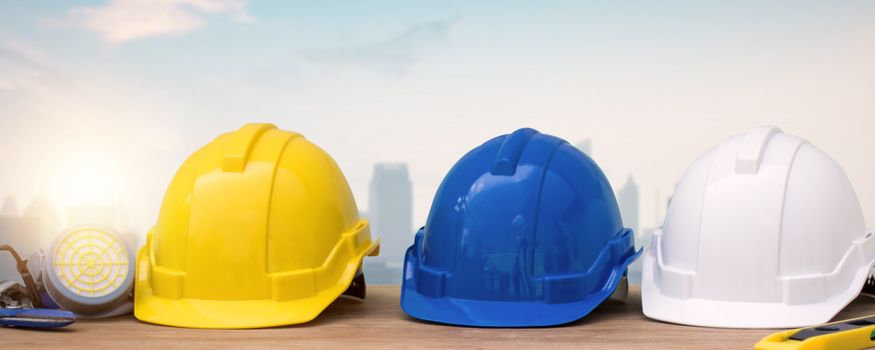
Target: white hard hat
{"x": 763, "y": 231}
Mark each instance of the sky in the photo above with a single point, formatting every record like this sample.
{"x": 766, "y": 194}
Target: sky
{"x": 101, "y": 101}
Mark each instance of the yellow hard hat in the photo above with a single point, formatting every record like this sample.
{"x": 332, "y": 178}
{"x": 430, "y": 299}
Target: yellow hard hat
{"x": 258, "y": 229}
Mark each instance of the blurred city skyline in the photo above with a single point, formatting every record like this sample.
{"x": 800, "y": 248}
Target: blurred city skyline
{"x": 389, "y": 211}
{"x": 35, "y": 226}
{"x": 102, "y": 100}
{"x": 390, "y": 215}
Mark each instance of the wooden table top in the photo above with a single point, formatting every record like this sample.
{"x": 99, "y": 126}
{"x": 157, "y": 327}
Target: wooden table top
{"x": 379, "y": 323}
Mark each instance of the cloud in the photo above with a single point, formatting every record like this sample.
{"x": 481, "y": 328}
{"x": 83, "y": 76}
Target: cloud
{"x": 23, "y": 67}
{"x": 395, "y": 55}
{"x": 21, "y": 48}
{"x": 125, "y": 20}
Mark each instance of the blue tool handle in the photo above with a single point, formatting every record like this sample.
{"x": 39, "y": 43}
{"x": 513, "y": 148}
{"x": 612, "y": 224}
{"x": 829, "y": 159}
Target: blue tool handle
{"x": 36, "y": 318}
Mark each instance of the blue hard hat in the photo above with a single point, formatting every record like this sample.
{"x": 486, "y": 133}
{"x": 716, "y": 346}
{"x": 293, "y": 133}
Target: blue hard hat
{"x": 524, "y": 231}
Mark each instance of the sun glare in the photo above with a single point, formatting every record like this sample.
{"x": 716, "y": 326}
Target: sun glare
{"x": 86, "y": 178}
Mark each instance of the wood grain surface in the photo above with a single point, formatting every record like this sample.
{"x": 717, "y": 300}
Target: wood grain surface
{"x": 379, "y": 323}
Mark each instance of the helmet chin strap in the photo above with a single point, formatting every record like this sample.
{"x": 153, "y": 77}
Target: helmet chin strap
{"x": 357, "y": 287}
{"x": 869, "y": 287}
{"x": 21, "y": 266}
{"x": 622, "y": 292}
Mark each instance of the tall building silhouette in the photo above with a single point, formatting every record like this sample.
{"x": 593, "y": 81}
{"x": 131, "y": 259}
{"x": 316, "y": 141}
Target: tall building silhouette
{"x": 27, "y": 232}
{"x": 643, "y": 237}
{"x": 390, "y": 213}
{"x": 585, "y": 146}
{"x": 91, "y": 214}
{"x": 112, "y": 217}
{"x": 627, "y": 197}
{"x": 48, "y": 221}
{"x": 10, "y": 207}
{"x": 642, "y": 241}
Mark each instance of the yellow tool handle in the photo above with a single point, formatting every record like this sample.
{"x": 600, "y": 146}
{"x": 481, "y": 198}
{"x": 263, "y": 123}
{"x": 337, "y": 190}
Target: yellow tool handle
{"x": 853, "y": 334}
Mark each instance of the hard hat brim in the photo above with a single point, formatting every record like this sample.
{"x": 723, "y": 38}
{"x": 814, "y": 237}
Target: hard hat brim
{"x": 730, "y": 314}
{"x": 234, "y": 314}
{"x": 510, "y": 314}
